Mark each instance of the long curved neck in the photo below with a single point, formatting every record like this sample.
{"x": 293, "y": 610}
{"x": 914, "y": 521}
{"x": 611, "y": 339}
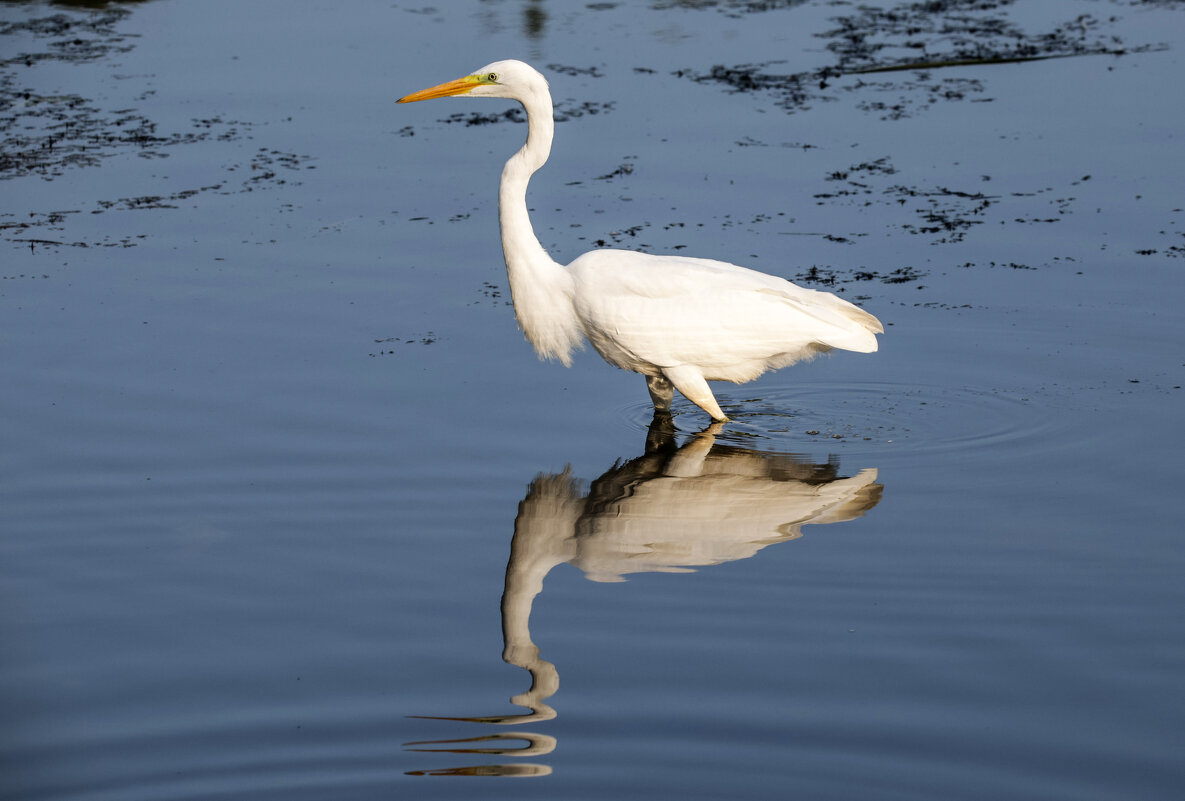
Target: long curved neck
{"x": 541, "y": 288}
{"x": 519, "y": 244}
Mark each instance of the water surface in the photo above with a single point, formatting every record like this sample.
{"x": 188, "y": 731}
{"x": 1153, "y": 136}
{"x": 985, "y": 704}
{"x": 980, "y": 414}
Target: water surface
{"x": 290, "y": 509}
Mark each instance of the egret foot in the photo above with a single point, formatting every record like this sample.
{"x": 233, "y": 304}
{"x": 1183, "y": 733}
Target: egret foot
{"x": 690, "y": 381}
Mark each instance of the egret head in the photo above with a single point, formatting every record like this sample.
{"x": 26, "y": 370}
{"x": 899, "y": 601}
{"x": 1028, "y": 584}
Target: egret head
{"x": 510, "y": 79}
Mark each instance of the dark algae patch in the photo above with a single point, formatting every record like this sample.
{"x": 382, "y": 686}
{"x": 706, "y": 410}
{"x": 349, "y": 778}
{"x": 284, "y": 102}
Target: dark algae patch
{"x": 47, "y": 135}
{"x": 564, "y": 110}
{"x": 920, "y": 38}
{"x": 931, "y": 35}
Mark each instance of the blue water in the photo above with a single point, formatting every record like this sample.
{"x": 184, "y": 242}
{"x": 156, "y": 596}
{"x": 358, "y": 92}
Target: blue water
{"x": 289, "y": 509}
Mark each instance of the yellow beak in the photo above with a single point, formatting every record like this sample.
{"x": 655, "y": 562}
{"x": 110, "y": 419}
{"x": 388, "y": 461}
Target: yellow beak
{"x": 457, "y": 87}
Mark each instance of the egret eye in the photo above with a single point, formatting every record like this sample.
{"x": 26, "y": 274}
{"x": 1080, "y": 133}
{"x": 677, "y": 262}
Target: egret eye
{"x": 492, "y": 77}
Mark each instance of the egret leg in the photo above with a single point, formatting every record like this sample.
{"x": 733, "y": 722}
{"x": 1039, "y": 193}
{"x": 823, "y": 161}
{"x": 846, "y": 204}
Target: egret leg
{"x": 661, "y": 393}
{"x": 690, "y": 381}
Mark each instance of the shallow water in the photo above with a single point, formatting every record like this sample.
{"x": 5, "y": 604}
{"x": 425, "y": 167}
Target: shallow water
{"x": 288, "y": 504}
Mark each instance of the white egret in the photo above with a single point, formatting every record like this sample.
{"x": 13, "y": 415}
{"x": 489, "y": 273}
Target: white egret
{"x": 680, "y": 322}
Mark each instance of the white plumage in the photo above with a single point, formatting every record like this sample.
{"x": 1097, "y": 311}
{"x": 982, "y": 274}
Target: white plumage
{"x": 681, "y": 322}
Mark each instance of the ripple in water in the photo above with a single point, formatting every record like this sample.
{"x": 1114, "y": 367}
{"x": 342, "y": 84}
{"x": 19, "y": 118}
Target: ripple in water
{"x": 870, "y": 417}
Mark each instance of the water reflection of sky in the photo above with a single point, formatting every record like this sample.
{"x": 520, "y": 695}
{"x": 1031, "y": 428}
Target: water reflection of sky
{"x": 269, "y": 422}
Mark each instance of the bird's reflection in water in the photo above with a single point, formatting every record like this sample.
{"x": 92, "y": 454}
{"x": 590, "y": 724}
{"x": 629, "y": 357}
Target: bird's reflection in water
{"x": 669, "y": 510}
